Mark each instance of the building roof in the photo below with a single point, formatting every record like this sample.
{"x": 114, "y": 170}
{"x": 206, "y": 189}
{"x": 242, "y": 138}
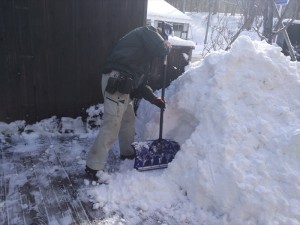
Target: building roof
{"x": 161, "y": 10}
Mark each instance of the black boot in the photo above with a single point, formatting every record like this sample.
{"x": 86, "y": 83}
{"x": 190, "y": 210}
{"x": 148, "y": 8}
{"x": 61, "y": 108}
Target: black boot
{"x": 91, "y": 174}
{"x": 130, "y": 157}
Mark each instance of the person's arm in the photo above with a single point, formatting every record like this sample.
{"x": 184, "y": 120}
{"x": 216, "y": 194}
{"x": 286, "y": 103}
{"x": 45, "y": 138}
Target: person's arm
{"x": 146, "y": 92}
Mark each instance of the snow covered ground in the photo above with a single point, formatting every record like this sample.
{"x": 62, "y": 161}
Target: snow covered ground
{"x": 236, "y": 115}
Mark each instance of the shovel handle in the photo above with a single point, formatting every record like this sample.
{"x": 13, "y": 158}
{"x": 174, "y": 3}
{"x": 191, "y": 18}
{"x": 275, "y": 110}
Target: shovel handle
{"x": 167, "y": 29}
{"x": 161, "y": 121}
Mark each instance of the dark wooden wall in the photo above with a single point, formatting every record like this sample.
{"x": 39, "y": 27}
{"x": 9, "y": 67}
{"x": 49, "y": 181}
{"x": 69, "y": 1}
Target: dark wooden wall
{"x": 52, "y": 53}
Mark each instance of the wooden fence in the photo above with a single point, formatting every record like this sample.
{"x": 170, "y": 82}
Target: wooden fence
{"x": 52, "y": 53}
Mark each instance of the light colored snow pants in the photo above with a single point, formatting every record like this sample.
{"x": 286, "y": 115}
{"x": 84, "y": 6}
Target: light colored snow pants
{"x": 118, "y": 119}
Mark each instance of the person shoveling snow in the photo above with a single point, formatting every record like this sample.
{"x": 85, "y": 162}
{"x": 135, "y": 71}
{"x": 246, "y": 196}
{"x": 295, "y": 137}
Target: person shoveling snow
{"x": 125, "y": 77}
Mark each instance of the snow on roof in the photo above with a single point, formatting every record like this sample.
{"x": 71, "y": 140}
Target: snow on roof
{"x": 161, "y": 10}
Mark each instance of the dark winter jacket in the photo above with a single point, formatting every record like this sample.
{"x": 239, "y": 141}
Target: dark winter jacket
{"x": 133, "y": 54}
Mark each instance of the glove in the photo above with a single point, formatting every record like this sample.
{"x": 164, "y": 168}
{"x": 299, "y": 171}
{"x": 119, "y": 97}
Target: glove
{"x": 168, "y": 46}
{"x": 168, "y": 43}
{"x": 160, "y": 103}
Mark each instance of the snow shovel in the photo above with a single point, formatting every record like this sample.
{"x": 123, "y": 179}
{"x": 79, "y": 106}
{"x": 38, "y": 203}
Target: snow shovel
{"x": 156, "y": 154}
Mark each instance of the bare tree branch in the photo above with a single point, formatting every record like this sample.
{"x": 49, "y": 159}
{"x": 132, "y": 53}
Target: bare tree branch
{"x": 285, "y": 34}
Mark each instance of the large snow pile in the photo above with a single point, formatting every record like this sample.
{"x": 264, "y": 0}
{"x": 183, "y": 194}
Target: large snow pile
{"x": 236, "y": 115}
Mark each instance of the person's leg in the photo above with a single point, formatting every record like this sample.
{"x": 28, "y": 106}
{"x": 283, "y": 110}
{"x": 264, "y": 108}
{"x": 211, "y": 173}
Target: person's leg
{"x": 127, "y": 132}
{"x": 114, "y": 107}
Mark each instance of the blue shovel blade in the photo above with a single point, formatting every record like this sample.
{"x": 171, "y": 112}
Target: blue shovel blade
{"x": 154, "y": 154}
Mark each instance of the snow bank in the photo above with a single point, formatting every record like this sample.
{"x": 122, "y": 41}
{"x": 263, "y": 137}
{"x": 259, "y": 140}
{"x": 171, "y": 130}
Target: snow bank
{"x": 236, "y": 115}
